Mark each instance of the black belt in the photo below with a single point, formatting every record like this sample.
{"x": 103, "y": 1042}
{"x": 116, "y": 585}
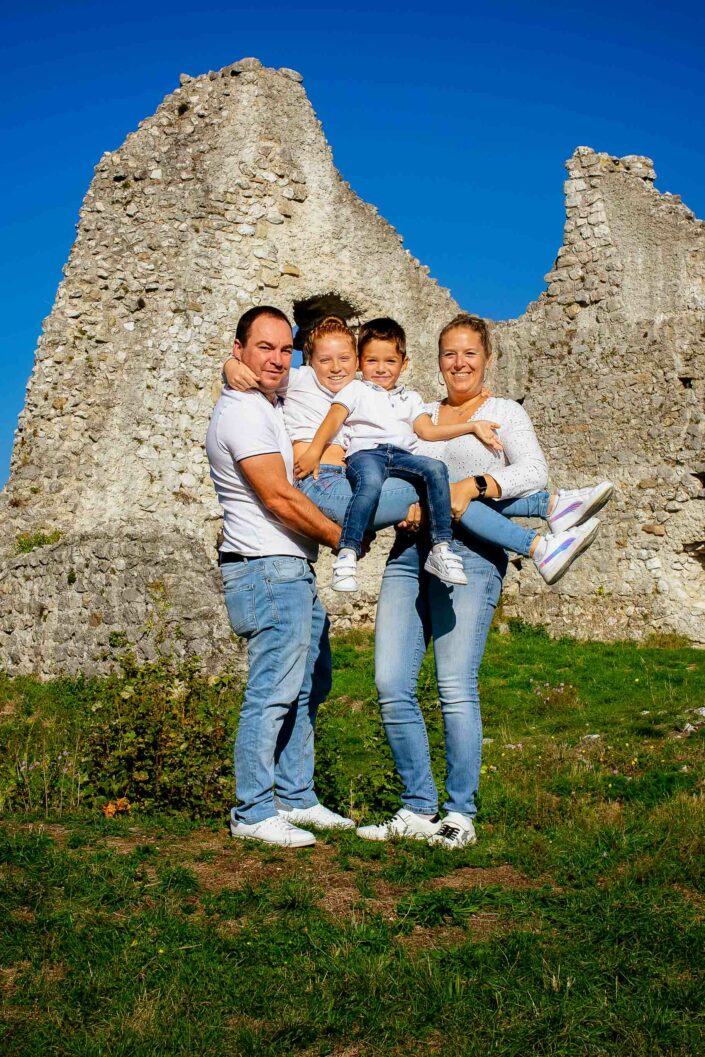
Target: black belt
{"x": 226, "y": 557}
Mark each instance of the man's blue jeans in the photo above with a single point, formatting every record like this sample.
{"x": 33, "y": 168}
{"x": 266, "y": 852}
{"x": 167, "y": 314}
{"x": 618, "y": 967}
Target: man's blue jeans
{"x": 488, "y": 520}
{"x": 273, "y": 605}
{"x": 368, "y": 470}
{"x": 413, "y": 608}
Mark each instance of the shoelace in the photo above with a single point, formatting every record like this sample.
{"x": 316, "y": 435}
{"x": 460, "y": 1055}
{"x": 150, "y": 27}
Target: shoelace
{"x": 449, "y": 831}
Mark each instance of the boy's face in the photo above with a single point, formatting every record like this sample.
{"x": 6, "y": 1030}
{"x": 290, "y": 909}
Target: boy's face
{"x": 381, "y": 363}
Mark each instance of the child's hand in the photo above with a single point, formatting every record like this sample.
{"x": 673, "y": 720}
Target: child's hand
{"x": 487, "y": 433}
{"x": 307, "y": 463}
{"x": 238, "y": 376}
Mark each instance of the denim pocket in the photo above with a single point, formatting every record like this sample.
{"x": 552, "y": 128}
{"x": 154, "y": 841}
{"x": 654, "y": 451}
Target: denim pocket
{"x": 240, "y": 603}
{"x": 284, "y": 570}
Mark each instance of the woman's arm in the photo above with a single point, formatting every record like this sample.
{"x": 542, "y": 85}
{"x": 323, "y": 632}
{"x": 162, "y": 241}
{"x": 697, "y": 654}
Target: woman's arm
{"x": 426, "y": 429}
{"x": 310, "y": 460}
{"x": 526, "y": 470}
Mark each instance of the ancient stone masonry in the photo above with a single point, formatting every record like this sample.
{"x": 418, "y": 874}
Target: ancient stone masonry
{"x": 226, "y": 198}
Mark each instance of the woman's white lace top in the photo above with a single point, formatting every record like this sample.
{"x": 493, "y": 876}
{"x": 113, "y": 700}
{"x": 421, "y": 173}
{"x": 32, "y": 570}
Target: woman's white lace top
{"x": 519, "y": 470}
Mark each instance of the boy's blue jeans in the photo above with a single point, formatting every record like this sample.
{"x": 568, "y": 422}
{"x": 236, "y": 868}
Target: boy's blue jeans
{"x": 273, "y": 605}
{"x": 368, "y": 470}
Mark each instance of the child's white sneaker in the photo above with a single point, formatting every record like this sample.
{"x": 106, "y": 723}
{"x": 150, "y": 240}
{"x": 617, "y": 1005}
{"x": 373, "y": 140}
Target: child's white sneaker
{"x": 404, "y": 824}
{"x": 444, "y": 563}
{"x": 456, "y": 831}
{"x": 554, "y": 555}
{"x": 345, "y": 571}
{"x": 574, "y": 506}
{"x": 273, "y": 830}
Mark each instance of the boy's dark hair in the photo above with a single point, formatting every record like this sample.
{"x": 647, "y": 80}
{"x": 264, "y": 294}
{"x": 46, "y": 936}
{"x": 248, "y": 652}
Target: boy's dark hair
{"x": 382, "y": 329}
{"x": 244, "y": 323}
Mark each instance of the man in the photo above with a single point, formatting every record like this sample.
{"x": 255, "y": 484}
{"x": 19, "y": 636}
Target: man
{"x": 270, "y": 534}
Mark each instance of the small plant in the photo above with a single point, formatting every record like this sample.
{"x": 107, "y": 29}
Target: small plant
{"x": 29, "y": 541}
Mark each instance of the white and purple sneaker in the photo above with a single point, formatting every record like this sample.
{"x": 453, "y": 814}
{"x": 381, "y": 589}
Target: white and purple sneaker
{"x": 554, "y": 555}
{"x": 574, "y": 506}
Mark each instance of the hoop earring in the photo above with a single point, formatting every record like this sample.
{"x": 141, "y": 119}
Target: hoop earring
{"x": 440, "y": 378}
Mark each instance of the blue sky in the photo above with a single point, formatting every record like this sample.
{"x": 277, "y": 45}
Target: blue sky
{"x": 454, "y": 119}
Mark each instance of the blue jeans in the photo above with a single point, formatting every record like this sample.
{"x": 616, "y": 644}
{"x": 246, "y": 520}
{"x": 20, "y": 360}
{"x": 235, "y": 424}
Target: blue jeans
{"x": 413, "y": 608}
{"x": 484, "y": 520}
{"x": 368, "y": 470}
{"x": 273, "y": 605}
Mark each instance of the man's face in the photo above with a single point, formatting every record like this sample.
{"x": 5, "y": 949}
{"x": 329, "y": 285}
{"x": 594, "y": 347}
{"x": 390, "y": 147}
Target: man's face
{"x": 267, "y": 352}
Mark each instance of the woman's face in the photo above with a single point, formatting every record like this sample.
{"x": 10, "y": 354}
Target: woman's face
{"x": 334, "y": 361}
{"x": 463, "y": 361}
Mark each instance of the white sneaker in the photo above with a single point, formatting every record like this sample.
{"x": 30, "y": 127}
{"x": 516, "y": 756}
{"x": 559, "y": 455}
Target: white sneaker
{"x": 555, "y": 554}
{"x": 273, "y": 830}
{"x": 318, "y": 816}
{"x": 345, "y": 572}
{"x": 444, "y": 563}
{"x": 404, "y": 824}
{"x": 455, "y": 831}
{"x": 575, "y": 505}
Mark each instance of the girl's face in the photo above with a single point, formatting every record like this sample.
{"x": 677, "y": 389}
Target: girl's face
{"x": 463, "y": 361}
{"x": 382, "y": 363}
{"x": 334, "y": 360}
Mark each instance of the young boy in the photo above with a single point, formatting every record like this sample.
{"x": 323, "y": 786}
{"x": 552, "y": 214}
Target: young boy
{"x": 382, "y": 421}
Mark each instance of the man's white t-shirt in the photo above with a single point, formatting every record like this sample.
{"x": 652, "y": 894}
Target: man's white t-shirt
{"x": 379, "y": 416}
{"x": 306, "y": 404}
{"x": 244, "y": 425}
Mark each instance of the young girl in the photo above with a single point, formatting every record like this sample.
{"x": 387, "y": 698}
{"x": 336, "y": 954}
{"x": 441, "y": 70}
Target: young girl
{"x": 330, "y": 349}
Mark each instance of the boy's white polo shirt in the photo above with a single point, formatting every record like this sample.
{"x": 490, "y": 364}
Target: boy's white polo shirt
{"x": 244, "y": 425}
{"x": 379, "y": 416}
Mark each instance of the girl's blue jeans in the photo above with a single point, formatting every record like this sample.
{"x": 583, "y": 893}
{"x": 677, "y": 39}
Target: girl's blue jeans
{"x": 488, "y": 521}
{"x": 413, "y": 608}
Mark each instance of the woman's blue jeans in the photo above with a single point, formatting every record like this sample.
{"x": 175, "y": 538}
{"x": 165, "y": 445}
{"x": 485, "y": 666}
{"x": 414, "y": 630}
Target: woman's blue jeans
{"x": 413, "y": 608}
{"x": 488, "y": 521}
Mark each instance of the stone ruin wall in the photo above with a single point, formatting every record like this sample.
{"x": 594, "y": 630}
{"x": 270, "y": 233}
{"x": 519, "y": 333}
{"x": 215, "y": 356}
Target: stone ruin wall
{"x": 226, "y": 198}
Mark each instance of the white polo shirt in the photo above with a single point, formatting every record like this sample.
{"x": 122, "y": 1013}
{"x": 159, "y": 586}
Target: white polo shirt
{"x": 244, "y": 425}
{"x": 379, "y": 416}
{"x": 306, "y": 404}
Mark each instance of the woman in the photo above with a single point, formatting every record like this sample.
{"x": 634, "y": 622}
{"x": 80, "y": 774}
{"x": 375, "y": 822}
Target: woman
{"x": 414, "y": 608}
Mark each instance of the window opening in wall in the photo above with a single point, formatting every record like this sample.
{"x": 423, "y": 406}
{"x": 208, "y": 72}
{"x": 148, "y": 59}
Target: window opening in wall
{"x": 687, "y": 383}
{"x": 311, "y": 311}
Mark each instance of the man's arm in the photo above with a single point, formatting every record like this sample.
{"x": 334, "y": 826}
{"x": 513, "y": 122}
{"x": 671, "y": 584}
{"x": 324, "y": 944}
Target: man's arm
{"x": 267, "y": 476}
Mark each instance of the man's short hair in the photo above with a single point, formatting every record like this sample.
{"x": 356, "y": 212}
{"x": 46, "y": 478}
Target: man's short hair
{"x": 382, "y": 329}
{"x": 244, "y": 323}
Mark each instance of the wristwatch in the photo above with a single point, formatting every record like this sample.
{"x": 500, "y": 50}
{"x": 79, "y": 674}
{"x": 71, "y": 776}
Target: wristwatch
{"x": 481, "y": 483}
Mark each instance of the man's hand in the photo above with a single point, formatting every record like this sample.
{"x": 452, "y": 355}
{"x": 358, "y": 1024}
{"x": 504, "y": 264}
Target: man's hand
{"x": 461, "y": 494}
{"x": 238, "y": 376}
{"x": 414, "y": 519}
{"x": 487, "y": 433}
{"x": 308, "y": 462}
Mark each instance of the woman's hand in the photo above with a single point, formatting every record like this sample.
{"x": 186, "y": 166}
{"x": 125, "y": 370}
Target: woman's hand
{"x": 413, "y": 520}
{"x": 487, "y": 433}
{"x": 238, "y": 376}
{"x": 307, "y": 463}
{"x": 461, "y": 495}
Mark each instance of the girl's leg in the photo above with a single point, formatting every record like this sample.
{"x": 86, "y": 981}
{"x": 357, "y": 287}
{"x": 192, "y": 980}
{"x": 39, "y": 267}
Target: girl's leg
{"x": 402, "y": 633}
{"x": 489, "y": 520}
{"x": 332, "y": 494}
{"x": 460, "y": 621}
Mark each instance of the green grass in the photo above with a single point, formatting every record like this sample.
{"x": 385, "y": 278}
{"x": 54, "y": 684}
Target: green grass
{"x": 574, "y": 927}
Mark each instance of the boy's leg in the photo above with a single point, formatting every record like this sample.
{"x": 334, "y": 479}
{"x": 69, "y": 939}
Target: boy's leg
{"x": 366, "y": 471}
{"x": 430, "y": 475}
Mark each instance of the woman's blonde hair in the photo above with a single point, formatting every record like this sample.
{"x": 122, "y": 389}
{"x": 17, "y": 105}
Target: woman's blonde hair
{"x": 327, "y": 326}
{"x": 476, "y": 323}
